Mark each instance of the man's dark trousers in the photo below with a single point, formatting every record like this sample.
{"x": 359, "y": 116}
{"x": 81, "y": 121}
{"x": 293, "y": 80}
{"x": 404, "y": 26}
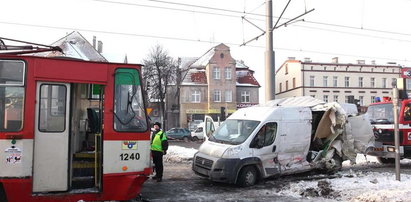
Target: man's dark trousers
{"x": 158, "y": 163}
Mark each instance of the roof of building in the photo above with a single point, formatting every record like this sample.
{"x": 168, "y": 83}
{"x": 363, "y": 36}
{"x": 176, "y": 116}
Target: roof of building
{"x": 246, "y": 78}
{"x": 74, "y": 45}
{"x": 336, "y": 64}
{"x": 193, "y": 70}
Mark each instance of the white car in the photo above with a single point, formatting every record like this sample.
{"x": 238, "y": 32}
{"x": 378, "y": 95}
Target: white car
{"x": 198, "y": 133}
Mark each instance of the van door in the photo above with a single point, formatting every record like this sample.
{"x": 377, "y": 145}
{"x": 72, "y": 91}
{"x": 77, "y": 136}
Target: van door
{"x": 208, "y": 126}
{"x": 265, "y": 147}
{"x": 51, "y": 138}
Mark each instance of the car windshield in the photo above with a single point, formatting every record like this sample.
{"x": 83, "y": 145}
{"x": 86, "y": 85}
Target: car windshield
{"x": 234, "y": 131}
{"x": 381, "y": 113}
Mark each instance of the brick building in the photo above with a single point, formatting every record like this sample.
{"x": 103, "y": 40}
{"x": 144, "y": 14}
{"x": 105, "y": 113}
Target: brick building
{"x": 206, "y": 85}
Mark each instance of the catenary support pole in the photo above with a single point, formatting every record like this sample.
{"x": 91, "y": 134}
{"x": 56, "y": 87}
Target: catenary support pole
{"x": 396, "y": 133}
{"x": 269, "y": 54}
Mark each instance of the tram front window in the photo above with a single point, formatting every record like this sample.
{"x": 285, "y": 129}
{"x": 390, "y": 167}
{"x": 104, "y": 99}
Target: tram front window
{"x": 129, "y": 112}
{"x": 11, "y": 95}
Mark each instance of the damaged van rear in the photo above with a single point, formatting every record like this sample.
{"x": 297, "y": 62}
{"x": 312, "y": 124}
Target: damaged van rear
{"x": 284, "y": 136}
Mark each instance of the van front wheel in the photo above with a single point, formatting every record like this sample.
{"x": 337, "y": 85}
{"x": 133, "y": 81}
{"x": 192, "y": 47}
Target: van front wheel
{"x": 247, "y": 177}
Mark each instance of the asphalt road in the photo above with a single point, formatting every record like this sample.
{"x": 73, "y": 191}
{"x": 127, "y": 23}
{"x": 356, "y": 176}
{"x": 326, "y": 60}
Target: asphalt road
{"x": 181, "y": 184}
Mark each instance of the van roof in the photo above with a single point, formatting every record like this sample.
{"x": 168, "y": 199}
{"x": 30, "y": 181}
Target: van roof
{"x": 261, "y": 113}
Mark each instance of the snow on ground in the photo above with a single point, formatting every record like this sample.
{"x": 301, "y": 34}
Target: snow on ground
{"x": 177, "y": 154}
{"x": 350, "y": 186}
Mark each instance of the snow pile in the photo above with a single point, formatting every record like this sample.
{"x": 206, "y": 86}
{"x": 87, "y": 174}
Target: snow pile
{"x": 351, "y": 184}
{"x": 355, "y": 185}
{"x": 359, "y": 186}
{"x": 177, "y": 154}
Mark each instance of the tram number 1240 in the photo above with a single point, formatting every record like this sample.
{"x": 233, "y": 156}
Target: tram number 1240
{"x": 127, "y": 156}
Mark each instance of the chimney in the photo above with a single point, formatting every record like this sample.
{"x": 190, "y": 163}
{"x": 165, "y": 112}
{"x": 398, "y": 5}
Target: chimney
{"x": 335, "y": 60}
{"x": 307, "y": 60}
{"x": 94, "y": 42}
{"x": 125, "y": 59}
{"x": 361, "y": 62}
{"x": 100, "y": 47}
{"x": 291, "y": 58}
{"x": 373, "y": 62}
{"x": 391, "y": 63}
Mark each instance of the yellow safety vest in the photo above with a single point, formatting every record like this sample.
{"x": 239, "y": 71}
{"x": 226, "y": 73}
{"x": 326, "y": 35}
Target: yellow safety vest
{"x": 157, "y": 140}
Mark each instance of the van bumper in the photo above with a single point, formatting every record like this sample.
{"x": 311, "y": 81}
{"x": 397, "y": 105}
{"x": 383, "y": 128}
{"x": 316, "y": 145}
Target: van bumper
{"x": 216, "y": 169}
{"x": 388, "y": 151}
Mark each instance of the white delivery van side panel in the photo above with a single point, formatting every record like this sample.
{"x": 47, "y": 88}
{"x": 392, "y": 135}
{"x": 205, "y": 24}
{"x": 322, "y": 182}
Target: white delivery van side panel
{"x": 295, "y": 135}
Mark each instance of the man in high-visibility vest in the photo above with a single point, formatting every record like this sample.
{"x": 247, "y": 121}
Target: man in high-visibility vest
{"x": 159, "y": 146}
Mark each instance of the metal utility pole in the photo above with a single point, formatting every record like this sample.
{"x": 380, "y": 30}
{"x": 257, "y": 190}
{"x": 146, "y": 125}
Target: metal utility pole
{"x": 269, "y": 54}
{"x": 396, "y": 133}
{"x": 269, "y": 51}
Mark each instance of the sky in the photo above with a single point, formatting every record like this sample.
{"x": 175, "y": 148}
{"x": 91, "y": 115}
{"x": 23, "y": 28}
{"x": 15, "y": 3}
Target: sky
{"x": 348, "y": 29}
{"x": 354, "y": 185}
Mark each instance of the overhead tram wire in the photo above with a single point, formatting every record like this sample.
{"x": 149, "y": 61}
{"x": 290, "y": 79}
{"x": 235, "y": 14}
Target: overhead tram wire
{"x": 167, "y": 8}
{"x": 195, "y": 40}
{"x": 249, "y": 13}
{"x": 205, "y": 7}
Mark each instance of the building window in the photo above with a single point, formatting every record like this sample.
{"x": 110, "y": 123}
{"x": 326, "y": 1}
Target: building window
{"x": 217, "y": 96}
{"x": 245, "y": 97}
{"x": 360, "y": 81}
{"x": 394, "y": 81}
{"x": 347, "y": 81}
{"x": 325, "y": 98}
{"x": 286, "y": 85}
{"x": 311, "y": 80}
{"x": 195, "y": 96}
{"x": 347, "y": 98}
{"x": 216, "y": 73}
{"x": 335, "y": 81}
{"x": 293, "y": 82}
{"x": 372, "y": 81}
{"x": 372, "y": 99}
{"x": 313, "y": 96}
{"x": 408, "y": 83}
{"x": 384, "y": 83}
{"x": 228, "y": 96}
{"x": 325, "y": 81}
{"x": 281, "y": 87}
{"x": 361, "y": 98}
{"x": 335, "y": 98}
{"x": 286, "y": 68}
{"x": 228, "y": 73}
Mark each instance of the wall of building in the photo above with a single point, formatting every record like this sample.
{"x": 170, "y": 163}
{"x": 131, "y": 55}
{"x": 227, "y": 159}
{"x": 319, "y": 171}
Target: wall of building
{"x": 327, "y": 91}
{"x": 289, "y": 71}
{"x": 254, "y": 97}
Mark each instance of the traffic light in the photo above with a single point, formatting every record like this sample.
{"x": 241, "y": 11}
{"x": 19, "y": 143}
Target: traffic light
{"x": 222, "y": 113}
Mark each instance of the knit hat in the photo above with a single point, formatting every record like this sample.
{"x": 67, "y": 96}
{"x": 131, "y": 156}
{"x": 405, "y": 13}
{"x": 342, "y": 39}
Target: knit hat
{"x": 158, "y": 124}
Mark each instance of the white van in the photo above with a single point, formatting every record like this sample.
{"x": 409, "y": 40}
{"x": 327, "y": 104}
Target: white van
{"x": 286, "y": 136}
{"x": 200, "y": 134}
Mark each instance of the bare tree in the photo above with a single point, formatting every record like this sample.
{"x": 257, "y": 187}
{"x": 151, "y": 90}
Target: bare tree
{"x": 159, "y": 71}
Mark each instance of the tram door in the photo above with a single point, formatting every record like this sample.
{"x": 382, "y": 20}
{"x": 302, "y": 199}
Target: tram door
{"x": 51, "y": 138}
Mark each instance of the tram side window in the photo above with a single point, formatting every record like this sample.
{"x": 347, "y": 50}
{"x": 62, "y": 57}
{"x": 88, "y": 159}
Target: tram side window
{"x": 52, "y": 108}
{"x": 129, "y": 112}
{"x": 11, "y": 95}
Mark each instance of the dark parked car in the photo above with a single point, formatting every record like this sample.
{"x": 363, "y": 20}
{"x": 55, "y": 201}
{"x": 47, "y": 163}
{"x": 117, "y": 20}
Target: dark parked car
{"x": 179, "y": 134}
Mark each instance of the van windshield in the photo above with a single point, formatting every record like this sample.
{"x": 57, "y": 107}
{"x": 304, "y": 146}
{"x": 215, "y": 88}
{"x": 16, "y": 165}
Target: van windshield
{"x": 234, "y": 131}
